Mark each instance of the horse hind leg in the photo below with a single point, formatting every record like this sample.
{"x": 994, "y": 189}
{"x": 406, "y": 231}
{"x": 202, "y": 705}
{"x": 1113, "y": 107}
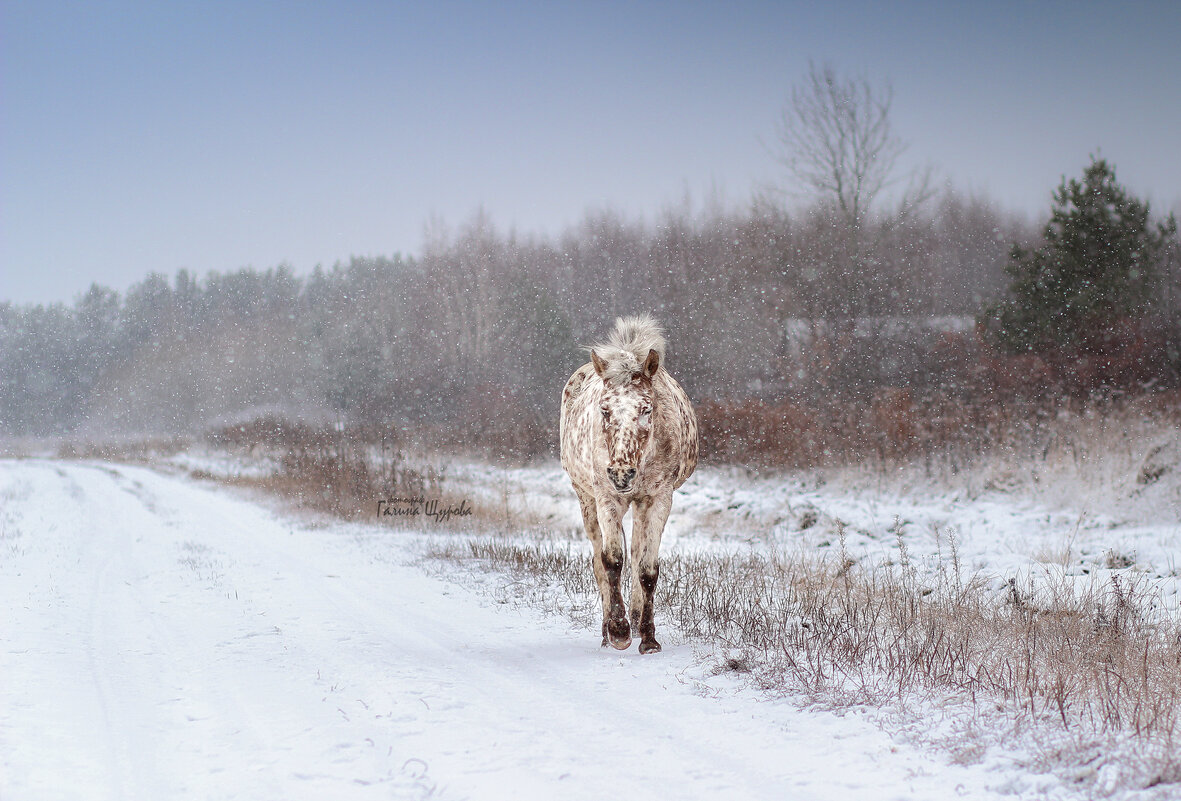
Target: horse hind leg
{"x": 635, "y": 604}
{"x": 604, "y": 584}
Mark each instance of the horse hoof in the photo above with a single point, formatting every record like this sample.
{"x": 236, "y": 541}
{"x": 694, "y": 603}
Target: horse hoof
{"x": 649, "y": 647}
{"x": 620, "y": 634}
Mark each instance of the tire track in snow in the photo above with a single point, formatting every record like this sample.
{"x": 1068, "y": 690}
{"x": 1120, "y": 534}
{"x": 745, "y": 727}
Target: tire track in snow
{"x": 142, "y": 664}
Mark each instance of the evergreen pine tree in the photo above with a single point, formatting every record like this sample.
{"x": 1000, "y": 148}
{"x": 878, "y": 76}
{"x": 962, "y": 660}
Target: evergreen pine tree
{"x": 1098, "y": 266}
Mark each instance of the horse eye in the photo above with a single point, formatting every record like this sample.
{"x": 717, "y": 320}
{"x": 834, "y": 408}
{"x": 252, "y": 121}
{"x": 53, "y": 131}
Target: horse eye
{"x": 606, "y": 412}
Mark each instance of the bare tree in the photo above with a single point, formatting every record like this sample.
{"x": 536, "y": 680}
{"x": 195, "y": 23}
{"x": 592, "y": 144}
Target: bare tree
{"x": 836, "y": 139}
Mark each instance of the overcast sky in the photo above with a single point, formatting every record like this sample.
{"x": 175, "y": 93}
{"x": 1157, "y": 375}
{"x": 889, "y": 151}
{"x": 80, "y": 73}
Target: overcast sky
{"x": 139, "y": 137}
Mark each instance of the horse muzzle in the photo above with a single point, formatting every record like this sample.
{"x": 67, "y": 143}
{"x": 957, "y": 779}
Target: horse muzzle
{"x": 622, "y": 477}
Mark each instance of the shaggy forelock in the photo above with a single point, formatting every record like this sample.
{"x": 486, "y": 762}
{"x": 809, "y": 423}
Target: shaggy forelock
{"x": 627, "y": 347}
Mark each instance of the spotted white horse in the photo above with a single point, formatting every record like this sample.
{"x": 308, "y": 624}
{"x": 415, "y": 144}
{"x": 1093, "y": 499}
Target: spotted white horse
{"x": 629, "y": 439}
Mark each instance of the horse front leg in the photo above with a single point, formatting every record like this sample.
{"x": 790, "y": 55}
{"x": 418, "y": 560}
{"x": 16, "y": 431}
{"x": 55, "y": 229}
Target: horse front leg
{"x": 650, "y": 516}
{"x": 590, "y": 522}
{"x": 610, "y": 557}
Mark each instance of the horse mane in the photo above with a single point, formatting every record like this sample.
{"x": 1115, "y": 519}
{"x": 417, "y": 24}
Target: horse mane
{"x": 627, "y": 347}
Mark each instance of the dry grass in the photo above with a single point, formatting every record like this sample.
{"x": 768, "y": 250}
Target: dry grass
{"x": 896, "y": 424}
{"x": 1099, "y": 661}
{"x": 341, "y": 472}
{"x": 359, "y": 473}
{"x": 140, "y": 450}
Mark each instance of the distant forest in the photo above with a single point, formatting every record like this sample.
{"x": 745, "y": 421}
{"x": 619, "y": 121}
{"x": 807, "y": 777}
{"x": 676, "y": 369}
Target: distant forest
{"x": 474, "y": 338}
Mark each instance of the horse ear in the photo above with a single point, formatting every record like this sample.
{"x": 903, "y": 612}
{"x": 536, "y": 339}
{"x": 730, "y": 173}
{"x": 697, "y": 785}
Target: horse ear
{"x": 600, "y": 365}
{"x": 652, "y": 363}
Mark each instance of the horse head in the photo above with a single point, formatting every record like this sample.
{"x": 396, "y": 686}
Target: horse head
{"x": 625, "y": 416}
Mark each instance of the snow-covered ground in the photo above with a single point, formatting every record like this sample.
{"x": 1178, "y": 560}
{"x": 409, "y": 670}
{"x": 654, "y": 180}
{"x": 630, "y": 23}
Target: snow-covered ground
{"x": 162, "y": 637}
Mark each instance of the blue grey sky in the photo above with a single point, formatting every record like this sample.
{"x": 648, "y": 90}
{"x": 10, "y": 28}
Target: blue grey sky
{"x": 154, "y": 136}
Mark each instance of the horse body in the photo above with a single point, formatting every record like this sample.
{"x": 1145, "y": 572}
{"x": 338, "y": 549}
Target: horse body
{"x": 628, "y": 439}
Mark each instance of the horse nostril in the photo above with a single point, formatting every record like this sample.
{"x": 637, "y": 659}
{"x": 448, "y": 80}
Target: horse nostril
{"x": 621, "y": 478}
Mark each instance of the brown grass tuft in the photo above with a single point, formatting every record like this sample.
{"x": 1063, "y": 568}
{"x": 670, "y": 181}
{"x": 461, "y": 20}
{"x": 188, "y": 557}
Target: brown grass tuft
{"x": 343, "y": 472}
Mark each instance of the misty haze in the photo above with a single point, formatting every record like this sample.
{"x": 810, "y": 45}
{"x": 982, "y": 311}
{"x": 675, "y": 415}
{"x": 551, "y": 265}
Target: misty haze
{"x": 902, "y": 345}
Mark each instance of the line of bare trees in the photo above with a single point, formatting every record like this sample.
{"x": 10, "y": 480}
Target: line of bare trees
{"x": 482, "y": 317}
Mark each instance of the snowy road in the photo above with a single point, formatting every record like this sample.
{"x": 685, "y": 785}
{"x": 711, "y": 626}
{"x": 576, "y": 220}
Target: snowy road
{"x": 163, "y": 639}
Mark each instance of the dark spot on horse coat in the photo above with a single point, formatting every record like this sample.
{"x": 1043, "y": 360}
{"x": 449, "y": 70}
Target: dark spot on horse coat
{"x": 647, "y": 624}
{"x": 613, "y": 564}
{"x": 648, "y": 579}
